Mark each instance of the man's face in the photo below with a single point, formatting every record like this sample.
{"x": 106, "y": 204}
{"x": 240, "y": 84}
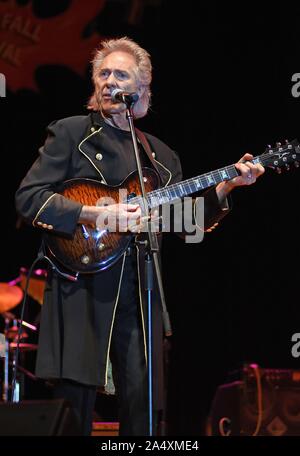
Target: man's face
{"x": 116, "y": 71}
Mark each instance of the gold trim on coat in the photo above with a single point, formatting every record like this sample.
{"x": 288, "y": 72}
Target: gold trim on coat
{"x": 113, "y": 319}
{"x": 41, "y": 209}
{"x": 86, "y": 156}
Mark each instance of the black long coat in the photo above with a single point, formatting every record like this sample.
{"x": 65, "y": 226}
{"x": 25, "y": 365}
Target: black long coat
{"x": 77, "y": 318}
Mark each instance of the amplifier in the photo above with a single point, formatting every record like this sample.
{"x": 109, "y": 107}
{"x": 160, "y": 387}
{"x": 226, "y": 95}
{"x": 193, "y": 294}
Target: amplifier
{"x": 262, "y": 402}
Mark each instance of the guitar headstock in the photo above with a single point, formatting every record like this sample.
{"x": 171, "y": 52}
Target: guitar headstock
{"x": 282, "y": 156}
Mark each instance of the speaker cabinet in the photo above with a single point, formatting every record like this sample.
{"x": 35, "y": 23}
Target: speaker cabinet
{"x": 234, "y": 410}
{"x": 38, "y": 418}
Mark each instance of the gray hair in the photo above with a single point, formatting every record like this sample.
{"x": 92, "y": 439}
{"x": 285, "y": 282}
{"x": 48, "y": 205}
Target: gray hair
{"x": 143, "y": 72}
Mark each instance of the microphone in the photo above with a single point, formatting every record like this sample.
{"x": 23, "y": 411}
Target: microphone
{"x": 120, "y": 96}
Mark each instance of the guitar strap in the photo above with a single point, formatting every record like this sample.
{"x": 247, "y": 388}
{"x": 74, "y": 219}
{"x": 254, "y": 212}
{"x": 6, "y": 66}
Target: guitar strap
{"x": 147, "y": 148}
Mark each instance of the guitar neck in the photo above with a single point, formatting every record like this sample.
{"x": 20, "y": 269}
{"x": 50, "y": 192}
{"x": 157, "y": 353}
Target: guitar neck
{"x": 195, "y": 184}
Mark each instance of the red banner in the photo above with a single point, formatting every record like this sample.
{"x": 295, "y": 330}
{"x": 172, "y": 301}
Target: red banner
{"x": 27, "y": 41}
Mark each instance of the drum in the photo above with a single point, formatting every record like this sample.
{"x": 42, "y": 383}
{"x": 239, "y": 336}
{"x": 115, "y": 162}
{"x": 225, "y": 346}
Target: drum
{"x": 23, "y": 346}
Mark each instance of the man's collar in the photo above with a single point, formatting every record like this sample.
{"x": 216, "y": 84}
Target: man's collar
{"x": 97, "y": 119}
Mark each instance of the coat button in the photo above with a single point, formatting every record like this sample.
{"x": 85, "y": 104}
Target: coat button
{"x": 39, "y": 223}
{"x": 99, "y": 157}
{"x": 44, "y": 225}
{"x": 93, "y": 129}
{"x": 50, "y": 227}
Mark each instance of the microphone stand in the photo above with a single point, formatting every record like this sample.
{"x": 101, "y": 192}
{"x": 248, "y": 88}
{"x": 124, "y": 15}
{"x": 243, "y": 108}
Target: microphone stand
{"x": 151, "y": 264}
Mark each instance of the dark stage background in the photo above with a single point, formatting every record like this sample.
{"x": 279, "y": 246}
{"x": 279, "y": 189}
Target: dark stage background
{"x": 222, "y": 86}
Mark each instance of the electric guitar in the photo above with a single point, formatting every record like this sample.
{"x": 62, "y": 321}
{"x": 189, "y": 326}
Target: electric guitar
{"x": 91, "y": 251}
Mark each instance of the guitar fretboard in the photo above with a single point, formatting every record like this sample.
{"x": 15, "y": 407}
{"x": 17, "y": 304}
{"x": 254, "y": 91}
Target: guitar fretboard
{"x": 193, "y": 185}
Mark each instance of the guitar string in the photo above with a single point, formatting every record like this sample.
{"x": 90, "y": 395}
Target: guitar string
{"x": 189, "y": 185}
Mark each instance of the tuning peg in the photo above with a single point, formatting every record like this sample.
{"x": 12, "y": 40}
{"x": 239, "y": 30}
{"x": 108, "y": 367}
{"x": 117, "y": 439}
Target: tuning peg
{"x": 296, "y": 164}
{"x": 278, "y": 170}
{"x": 278, "y": 144}
{"x": 286, "y": 141}
{"x": 287, "y": 166}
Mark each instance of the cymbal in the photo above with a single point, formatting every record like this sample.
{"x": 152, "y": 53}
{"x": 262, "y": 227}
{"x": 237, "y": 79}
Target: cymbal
{"x": 10, "y": 296}
{"x": 23, "y": 346}
{"x": 36, "y": 285}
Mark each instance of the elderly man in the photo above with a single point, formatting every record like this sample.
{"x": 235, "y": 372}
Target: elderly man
{"x": 100, "y": 318}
